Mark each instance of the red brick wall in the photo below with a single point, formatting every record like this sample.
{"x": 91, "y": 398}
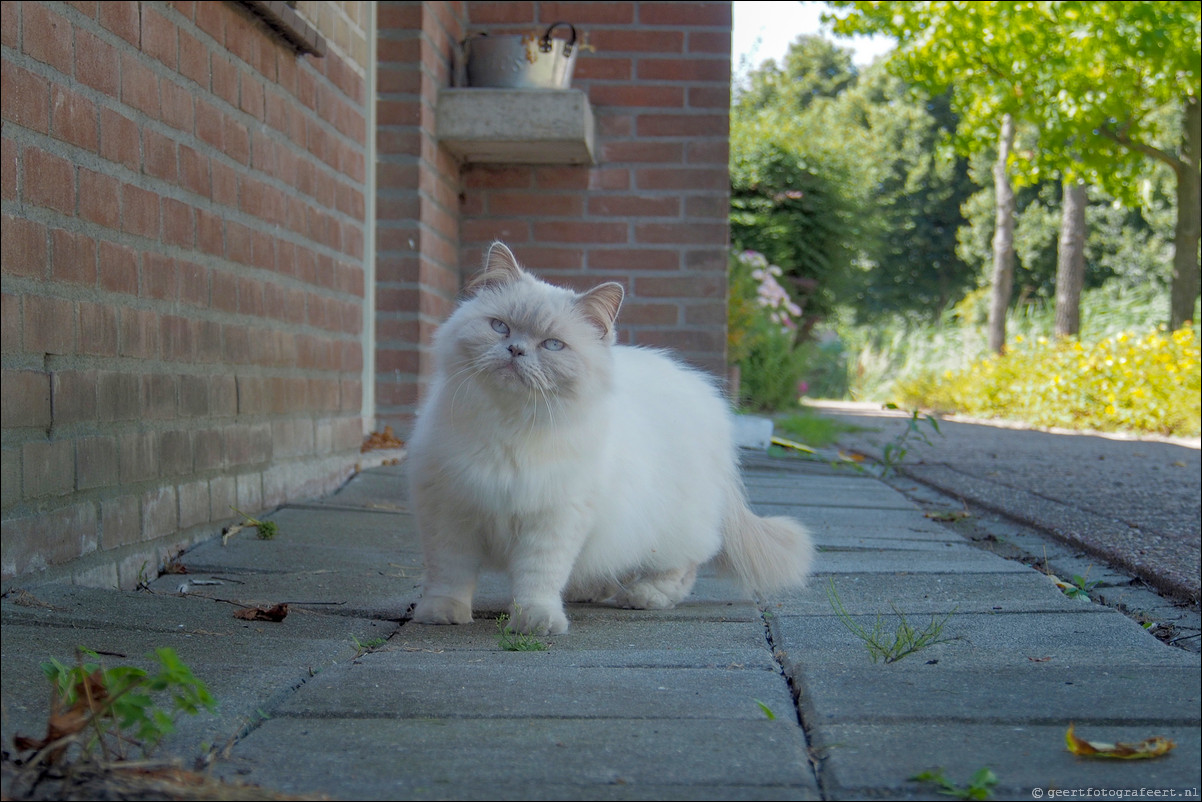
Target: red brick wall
{"x": 417, "y": 188}
{"x": 652, "y": 213}
{"x": 183, "y": 217}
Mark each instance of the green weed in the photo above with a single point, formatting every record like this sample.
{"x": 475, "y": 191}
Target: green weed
{"x": 1080, "y": 587}
{"x": 894, "y": 452}
{"x": 512, "y": 641}
{"x": 980, "y": 785}
{"x": 110, "y": 709}
{"x": 881, "y": 644}
{"x": 365, "y": 646}
{"x": 266, "y": 529}
{"x": 767, "y": 711}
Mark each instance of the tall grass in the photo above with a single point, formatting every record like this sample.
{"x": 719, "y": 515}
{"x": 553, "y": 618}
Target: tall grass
{"x": 1123, "y": 373}
{"x": 880, "y": 356}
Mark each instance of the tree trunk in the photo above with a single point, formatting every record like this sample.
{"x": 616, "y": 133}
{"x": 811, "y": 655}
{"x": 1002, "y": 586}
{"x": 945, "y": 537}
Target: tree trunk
{"x": 1186, "y": 272}
{"x": 1070, "y": 264}
{"x": 1003, "y": 241}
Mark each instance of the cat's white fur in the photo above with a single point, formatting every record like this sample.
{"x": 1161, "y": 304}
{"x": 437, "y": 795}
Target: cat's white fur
{"x": 586, "y": 470}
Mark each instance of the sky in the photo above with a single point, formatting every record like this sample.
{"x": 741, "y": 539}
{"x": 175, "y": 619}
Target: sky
{"x": 763, "y": 30}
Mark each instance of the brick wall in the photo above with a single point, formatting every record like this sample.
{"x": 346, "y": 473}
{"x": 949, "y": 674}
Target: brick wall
{"x": 652, "y": 213}
{"x": 183, "y": 276}
{"x": 417, "y": 189}
{"x": 189, "y": 311}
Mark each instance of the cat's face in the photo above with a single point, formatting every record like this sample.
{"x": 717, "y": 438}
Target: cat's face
{"x": 518, "y": 335}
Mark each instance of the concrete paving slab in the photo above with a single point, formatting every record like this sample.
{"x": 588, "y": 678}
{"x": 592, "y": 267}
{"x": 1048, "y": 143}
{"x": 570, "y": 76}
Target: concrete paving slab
{"x": 959, "y": 559}
{"x": 389, "y": 685}
{"x": 884, "y": 522}
{"x": 434, "y": 758}
{"x": 632, "y": 704}
{"x": 923, "y": 594}
{"x": 1002, "y": 639}
{"x": 824, "y": 493}
{"x": 870, "y": 526}
{"x": 382, "y": 489}
{"x": 1036, "y": 693}
{"x": 373, "y": 592}
{"x": 676, "y": 641}
{"x": 844, "y": 540}
{"x": 244, "y": 667}
{"x": 875, "y": 761}
{"x": 312, "y": 538}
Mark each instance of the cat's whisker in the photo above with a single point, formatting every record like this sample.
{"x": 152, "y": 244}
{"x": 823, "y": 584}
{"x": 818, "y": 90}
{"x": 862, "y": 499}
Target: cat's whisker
{"x": 466, "y": 373}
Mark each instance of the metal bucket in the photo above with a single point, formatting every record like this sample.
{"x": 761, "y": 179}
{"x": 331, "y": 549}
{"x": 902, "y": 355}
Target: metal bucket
{"x": 521, "y": 62}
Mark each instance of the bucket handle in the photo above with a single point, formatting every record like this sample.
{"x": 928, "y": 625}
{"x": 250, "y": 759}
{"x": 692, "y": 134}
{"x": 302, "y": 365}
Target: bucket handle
{"x": 544, "y": 44}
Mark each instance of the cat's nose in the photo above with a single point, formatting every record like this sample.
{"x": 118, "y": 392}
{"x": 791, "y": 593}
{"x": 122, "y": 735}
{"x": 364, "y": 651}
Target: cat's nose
{"x": 516, "y": 350}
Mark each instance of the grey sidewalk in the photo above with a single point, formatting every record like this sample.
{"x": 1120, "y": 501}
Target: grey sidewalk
{"x": 632, "y": 704}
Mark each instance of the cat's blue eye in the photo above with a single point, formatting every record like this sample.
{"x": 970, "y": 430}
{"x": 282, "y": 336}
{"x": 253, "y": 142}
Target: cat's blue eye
{"x": 553, "y": 344}
{"x": 499, "y": 326}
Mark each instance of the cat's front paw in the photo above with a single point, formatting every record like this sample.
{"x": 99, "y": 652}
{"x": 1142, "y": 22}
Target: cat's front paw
{"x": 538, "y": 619}
{"x": 442, "y": 610}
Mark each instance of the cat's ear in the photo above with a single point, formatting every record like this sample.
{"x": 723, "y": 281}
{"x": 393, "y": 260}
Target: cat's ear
{"x": 500, "y": 268}
{"x": 600, "y": 306}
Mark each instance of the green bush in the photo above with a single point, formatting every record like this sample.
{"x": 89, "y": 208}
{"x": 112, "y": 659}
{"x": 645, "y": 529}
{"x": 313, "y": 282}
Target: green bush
{"x": 763, "y": 335}
{"x": 1147, "y": 383}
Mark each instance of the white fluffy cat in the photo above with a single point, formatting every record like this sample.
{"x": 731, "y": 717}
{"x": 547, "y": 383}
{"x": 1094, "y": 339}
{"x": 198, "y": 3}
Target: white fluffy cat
{"x": 586, "y": 470}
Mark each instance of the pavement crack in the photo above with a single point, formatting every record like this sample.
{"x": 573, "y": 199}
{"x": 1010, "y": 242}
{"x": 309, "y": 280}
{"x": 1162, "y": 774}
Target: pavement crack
{"x": 778, "y": 657}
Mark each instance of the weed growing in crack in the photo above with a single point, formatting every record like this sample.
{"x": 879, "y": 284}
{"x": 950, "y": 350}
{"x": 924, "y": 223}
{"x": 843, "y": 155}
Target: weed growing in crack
{"x": 883, "y": 645}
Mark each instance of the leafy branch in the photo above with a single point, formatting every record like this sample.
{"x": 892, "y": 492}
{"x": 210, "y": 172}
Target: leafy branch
{"x": 108, "y": 709}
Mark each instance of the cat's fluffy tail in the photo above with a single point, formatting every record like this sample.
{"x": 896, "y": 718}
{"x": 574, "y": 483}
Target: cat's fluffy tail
{"x": 764, "y": 553}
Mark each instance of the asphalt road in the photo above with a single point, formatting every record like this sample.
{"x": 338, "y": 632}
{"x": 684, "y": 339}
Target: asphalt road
{"x": 1135, "y": 503}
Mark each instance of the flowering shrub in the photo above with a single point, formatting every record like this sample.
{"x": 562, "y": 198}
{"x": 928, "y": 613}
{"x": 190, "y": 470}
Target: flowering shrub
{"x": 762, "y": 330}
{"x": 1147, "y": 383}
{"x": 770, "y": 295}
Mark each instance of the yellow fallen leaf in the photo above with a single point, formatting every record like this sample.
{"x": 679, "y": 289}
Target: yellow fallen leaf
{"x": 781, "y": 441}
{"x": 1149, "y": 747}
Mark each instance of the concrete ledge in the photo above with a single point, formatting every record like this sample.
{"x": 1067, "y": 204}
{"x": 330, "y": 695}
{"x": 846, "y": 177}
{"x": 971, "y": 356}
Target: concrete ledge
{"x": 516, "y": 126}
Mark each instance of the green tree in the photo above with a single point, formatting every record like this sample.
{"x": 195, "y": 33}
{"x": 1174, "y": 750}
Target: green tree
{"x": 839, "y": 178}
{"x": 798, "y": 189}
{"x": 812, "y": 68}
{"x": 910, "y": 266}
{"x": 1093, "y": 78}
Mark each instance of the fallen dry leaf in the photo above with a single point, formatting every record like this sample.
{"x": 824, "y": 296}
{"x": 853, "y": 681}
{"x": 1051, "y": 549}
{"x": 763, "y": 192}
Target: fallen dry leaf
{"x": 276, "y": 613}
{"x": 91, "y": 694}
{"x": 1149, "y": 747}
{"x": 384, "y": 439}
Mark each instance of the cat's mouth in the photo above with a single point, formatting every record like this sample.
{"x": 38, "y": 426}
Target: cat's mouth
{"x": 511, "y": 372}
